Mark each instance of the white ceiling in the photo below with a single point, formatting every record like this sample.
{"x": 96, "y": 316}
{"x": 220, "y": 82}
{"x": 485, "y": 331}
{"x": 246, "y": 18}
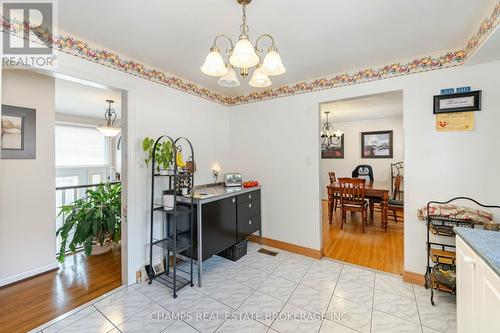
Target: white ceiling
{"x": 84, "y": 100}
{"x": 377, "y": 106}
{"x": 315, "y": 38}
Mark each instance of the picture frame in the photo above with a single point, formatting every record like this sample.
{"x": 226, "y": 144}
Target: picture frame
{"x": 377, "y": 144}
{"x": 334, "y": 152}
{"x": 460, "y": 102}
{"x": 18, "y": 132}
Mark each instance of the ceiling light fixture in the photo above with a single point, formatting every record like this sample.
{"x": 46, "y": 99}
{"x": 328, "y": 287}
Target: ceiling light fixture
{"x": 243, "y": 55}
{"x": 329, "y": 136}
{"x": 110, "y": 115}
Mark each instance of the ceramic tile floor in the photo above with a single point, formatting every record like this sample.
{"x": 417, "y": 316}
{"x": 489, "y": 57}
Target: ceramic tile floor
{"x": 261, "y": 293}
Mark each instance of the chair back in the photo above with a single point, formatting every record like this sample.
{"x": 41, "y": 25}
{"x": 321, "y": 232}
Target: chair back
{"x": 397, "y": 186}
{"x": 333, "y": 177}
{"x": 363, "y": 171}
{"x": 352, "y": 191}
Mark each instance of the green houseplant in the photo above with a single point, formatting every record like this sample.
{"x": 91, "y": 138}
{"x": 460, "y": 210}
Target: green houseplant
{"x": 92, "y": 220}
{"x": 164, "y": 153}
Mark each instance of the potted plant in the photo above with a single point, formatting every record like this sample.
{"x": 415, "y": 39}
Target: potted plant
{"x": 93, "y": 221}
{"x": 163, "y": 155}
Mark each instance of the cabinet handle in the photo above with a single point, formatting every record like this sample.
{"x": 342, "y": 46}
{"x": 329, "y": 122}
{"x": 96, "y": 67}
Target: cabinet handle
{"x": 469, "y": 260}
{"x": 249, "y": 205}
{"x": 234, "y": 200}
{"x": 249, "y": 196}
{"x": 250, "y": 222}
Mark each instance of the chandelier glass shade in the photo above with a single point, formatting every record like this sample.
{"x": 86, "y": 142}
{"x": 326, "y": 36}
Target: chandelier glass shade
{"x": 243, "y": 55}
{"x": 110, "y": 115}
{"x": 329, "y": 136}
{"x": 229, "y": 80}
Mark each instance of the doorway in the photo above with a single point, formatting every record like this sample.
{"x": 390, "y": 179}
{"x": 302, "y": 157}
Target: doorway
{"x": 85, "y": 159}
{"x": 363, "y": 137}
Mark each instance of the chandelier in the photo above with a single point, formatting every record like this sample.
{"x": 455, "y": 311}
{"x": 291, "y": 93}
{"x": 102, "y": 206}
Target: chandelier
{"x": 110, "y": 116}
{"x": 328, "y": 135}
{"x": 244, "y": 56}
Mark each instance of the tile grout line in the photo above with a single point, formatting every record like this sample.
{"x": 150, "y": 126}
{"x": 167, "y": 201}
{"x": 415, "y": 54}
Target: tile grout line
{"x": 331, "y": 297}
{"x": 373, "y": 300}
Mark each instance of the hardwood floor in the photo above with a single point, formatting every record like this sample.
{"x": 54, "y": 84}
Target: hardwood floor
{"x": 31, "y": 303}
{"x": 375, "y": 249}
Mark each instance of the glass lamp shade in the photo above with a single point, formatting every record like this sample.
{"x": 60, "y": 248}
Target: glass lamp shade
{"x": 244, "y": 54}
{"x": 230, "y": 80}
{"x": 214, "y": 64}
{"x": 259, "y": 79}
{"x": 338, "y": 133}
{"x": 272, "y": 64}
{"x": 109, "y": 131}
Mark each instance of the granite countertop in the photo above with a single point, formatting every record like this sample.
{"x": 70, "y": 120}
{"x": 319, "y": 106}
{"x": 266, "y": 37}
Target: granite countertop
{"x": 485, "y": 243}
{"x": 205, "y": 194}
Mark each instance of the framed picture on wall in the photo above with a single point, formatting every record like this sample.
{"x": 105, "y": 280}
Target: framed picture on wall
{"x": 462, "y": 102}
{"x": 376, "y": 144}
{"x": 333, "y": 148}
{"x": 18, "y": 133}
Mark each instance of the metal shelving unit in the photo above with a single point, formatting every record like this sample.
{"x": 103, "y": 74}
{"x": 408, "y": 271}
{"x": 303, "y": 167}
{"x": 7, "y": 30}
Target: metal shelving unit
{"x": 441, "y": 258}
{"x": 174, "y": 242}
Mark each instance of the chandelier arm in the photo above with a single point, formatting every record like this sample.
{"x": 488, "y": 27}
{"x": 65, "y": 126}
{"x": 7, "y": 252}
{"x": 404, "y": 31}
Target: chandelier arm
{"x": 225, "y": 37}
{"x": 273, "y": 46}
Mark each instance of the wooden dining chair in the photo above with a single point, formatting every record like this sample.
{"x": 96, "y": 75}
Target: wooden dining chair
{"x": 352, "y": 198}
{"x": 336, "y": 196}
{"x": 395, "y": 204}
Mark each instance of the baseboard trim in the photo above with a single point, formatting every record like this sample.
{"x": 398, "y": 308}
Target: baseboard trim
{"x": 28, "y": 274}
{"x": 414, "y": 278}
{"x": 297, "y": 249}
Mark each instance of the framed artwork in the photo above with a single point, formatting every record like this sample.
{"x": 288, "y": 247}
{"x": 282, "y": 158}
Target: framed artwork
{"x": 18, "y": 133}
{"x": 462, "y": 102}
{"x": 335, "y": 148}
{"x": 376, "y": 144}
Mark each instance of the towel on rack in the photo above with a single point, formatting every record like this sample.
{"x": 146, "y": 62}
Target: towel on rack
{"x": 474, "y": 215}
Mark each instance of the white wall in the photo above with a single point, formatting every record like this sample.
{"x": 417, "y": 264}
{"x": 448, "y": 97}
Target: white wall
{"x": 154, "y": 110}
{"x": 352, "y": 150}
{"x": 27, "y": 187}
{"x": 276, "y": 142}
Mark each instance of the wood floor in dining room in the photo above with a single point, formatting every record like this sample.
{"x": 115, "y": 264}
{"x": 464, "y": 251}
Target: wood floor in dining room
{"x": 375, "y": 249}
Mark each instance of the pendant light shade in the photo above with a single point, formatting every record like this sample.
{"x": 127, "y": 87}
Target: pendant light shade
{"x": 259, "y": 79}
{"x": 272, "y": 64}
{"x": 230, "y": 80}
{"x": 108, "y": 131}
{"x": 110, "y": 115}
{"x": 244, "y": 54}
{"x": 214, "y": 64}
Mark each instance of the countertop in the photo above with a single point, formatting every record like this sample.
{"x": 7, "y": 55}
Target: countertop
{"x": 485, "y": 243}
{"x": 207, "y": 194}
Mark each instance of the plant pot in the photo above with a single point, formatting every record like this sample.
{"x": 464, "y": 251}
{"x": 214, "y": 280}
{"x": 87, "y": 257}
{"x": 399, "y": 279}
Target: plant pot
{"x": 168, "y": 201}
{"x": 97, "y": 249}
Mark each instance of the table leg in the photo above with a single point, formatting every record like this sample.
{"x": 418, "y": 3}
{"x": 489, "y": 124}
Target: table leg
{"x": 200, "y": 249}
{"x": 330, "y": 208}
{"x": 385, "y": 203}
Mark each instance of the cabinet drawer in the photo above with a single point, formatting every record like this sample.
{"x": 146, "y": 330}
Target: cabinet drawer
{"x": 250, "y": 196}
{"x": 248, "y": 226}
{"x": 248, "y": 209}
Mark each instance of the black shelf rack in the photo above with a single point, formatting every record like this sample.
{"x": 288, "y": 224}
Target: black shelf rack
{"x": 174, "y": 242}
{"x": 440, "y": 273}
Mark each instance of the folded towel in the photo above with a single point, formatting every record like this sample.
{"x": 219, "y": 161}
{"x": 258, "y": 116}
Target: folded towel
{"x": 456, "y": 212}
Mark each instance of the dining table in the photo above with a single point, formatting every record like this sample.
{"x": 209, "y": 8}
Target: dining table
{"x": 376, "y": 190}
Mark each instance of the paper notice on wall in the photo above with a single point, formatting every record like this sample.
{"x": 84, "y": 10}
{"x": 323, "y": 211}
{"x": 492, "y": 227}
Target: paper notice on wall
{"x": 455, "y": 122}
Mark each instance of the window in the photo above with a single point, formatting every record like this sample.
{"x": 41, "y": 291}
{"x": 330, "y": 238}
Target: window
{"x": 80, "y": 146}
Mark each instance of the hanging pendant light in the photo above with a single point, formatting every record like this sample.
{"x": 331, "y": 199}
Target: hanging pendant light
{"x": 328, "y": 135}
{"x": 229, "y": 80}
{"x": 110, "y": 115}
{"x": 243, "y": 55}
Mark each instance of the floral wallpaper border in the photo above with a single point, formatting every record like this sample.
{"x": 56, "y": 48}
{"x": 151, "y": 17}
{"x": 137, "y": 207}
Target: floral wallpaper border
{"x": 84, "y": 50}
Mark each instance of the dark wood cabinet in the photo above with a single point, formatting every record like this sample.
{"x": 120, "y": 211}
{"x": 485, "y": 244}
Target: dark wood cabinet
{"x": 227, "y": 221}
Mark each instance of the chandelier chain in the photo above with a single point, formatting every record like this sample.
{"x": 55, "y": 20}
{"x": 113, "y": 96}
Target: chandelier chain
{"x": 244, "y": 27}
